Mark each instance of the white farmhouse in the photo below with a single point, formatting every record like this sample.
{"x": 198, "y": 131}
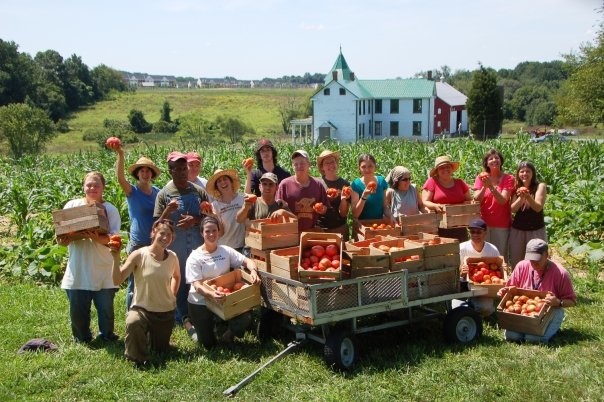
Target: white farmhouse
{"x": 347, "y": 109}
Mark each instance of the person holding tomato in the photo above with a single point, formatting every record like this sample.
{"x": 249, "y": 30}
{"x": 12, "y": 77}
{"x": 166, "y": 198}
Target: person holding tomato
{"x": 266, "y": 160}
{"x": 140, "y": 198}
{"x": 150, "y": 321}
{"x": 538, "y": 272}
{"x": 305, "y": 195}
{"x": 368, "y": 199}
{"x": 338, "y": 192}
{"x": 493, "y": 189}
{"x": 87, "y": 277}
{"x": 206, "y": 262}
{"x": 265, "y": 206}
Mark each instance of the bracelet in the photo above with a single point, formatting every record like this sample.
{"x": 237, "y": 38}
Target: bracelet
{"x": 364, "y": 199}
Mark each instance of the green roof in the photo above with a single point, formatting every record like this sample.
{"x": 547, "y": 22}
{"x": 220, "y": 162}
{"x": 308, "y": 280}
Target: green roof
{"x": 399, "y": 88}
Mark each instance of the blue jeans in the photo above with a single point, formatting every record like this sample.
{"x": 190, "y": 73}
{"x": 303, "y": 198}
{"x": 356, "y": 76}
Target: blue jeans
{"x": 80, "y": 302}
{"x": 185, "y": 241}
{"x": 130, "y": 289}
{"x": 552, "y": 328}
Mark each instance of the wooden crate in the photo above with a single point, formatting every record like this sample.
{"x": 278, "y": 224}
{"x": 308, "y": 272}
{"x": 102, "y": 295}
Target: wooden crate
{"x": 515, "y": 322}
{"x": 358, "y": 245}
{"x": 436, "y": 256}
{"x": 309, "y": 239}
{"x": 235, "y": 303}
{"x": 284, "y": 262}
{"x": 492, "y": 288}
{"x": 409, "y": 258}
{"x": 363, "y": 229}
{"x": 86, "y": 217}
{"x": 264, "y": 234}
{"x": 261, "y": 258}
{"x": 360, "y": 263}
{"x": 456, "y": 215}
{"x": 414, "y": 224}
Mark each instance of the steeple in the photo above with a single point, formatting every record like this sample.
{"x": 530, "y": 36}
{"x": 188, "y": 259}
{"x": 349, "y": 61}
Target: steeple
{"x": 340, "y": 70}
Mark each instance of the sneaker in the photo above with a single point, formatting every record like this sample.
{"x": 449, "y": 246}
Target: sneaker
{"x": 192, "y": 333}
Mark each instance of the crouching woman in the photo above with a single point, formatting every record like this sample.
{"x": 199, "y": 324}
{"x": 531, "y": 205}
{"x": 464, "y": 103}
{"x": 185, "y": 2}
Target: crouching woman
{"x": 207, "y": 262}
{"x": 156, "y": 273}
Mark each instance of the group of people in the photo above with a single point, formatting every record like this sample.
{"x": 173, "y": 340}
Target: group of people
{"x": 193, "y": 229}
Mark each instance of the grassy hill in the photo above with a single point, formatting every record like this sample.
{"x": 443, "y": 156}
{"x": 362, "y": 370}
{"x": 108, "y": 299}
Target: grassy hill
{"x": 256, "y": 107}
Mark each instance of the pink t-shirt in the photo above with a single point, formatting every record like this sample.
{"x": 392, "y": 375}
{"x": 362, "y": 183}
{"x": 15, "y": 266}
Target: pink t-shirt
{"x": 495, "y": 214}
{"x": 555, "y": 279}
{"x": 443, "y": 195}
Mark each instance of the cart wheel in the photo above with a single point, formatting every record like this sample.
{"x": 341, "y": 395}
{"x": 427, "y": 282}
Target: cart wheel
{"x": 462, "y": 325}
{"x": 340, "y": 351}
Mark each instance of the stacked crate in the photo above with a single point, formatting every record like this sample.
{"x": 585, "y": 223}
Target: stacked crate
{"x": 414, "y": 224}
{"x": 264, "y": 235}
{"x": 91, "y": 217}
{"x": 459, "y": 215}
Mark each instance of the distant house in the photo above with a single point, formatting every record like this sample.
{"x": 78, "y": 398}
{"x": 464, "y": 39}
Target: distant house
{"x": 347, "y": 109}
{"x": 450, "y": 114}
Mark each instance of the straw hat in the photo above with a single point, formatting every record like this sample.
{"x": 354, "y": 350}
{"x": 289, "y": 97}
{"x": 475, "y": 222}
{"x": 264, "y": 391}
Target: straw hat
{"x": 326, "y": 154}
{"x": 144, "y": 162}
{"x": 218, "y": 173}
{"x": 443, "y": 160}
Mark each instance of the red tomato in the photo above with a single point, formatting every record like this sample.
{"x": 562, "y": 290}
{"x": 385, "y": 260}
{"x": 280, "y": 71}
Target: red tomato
{"x": 331, "y": 250}
{"x": 313, "y": 259}
{"x": 346, "y": 191}
{"x": 335, "y": 263}
{"x": 371, "y": 186}
{"x": 113, "y": 143}
{"x": 318, "y": 250}
{"x": 325, "y": 262}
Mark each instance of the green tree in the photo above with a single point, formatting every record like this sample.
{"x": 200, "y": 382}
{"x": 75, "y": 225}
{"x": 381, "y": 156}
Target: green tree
{"x": 26, "y": 129}
{"x": 104, "y": 80}
{"x": 49, "y": 77}
{"x": 485, "y": 104}
{"x": 233, "y": 128}
{"x": 138, "y": 122}
{"x": 78, "y": 83}
{"x": 581, "y": 98}
{"x": 16, "y": 73}
{"x": 165, "y": 112}
{"x": 291, "y": 108}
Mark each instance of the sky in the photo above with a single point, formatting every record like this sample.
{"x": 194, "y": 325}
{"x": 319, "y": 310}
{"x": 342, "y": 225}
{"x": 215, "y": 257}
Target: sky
{"x": 254, "y": 39}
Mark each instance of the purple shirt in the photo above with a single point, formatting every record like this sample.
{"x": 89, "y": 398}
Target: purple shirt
{"x": 302, "y": 199}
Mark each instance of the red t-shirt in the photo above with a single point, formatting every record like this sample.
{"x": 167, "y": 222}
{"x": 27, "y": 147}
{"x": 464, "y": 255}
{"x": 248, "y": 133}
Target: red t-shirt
{"x": 443, "y": 195}
{"x": 495, "y": 214}
{"x": 555, "y": 279}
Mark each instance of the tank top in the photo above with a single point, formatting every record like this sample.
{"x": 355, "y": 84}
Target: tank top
{"x": 528, "y": 219}
{"x": 404, "y": 202}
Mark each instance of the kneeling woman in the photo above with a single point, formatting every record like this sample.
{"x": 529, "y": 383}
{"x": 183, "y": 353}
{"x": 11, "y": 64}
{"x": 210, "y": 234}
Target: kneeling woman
{"x": 150, "y": 321}
{"x": 206, "y": 262}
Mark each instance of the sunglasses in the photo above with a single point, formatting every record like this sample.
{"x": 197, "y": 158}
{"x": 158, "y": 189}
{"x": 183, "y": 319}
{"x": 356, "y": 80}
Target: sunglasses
{"x": 406, "y": 179}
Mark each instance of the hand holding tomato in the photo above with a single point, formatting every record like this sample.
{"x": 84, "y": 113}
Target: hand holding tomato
{"x": 113, "y": 143}
{"x": 346, "y": 192}
{"x": 371, "y": 186}
{"x": 205, "y": 207}
{"x": 332, "y": 193}
{"x": 248, "y": 163}
{"x": 319, "y": 208}
{"x": 250, "y": 198}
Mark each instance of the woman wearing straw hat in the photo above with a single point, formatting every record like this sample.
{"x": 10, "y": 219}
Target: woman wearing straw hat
{"x": 223, "y": 186}
{"x": 141, "y": 203}
{"x": 334, "y": 220}
{"x": 442, "y": 188}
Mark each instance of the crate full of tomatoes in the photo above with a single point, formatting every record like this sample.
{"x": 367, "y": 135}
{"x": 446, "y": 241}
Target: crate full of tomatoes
{"x": 403, "y": 254}
{"x": 488, "y": 273}
{"x": 240, "y": 294}
{"x": 369, "y": 228}
{"x": 320, "y": 257}
{"x": 524, "y": 310}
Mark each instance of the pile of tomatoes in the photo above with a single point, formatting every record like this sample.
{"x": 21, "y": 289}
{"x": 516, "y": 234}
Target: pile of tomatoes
{"x": 525, "y": 305}
{"x": 392, "y": 249}
{"x": 321, "y": 258}
{"x": 485, "y": 274}
{"x": 228, "y": 290}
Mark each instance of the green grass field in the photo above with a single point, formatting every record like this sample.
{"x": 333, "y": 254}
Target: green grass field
{"x": 407, "y": 364}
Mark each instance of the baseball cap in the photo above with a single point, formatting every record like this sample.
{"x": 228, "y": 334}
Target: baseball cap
{"x": 264, "y": 143}
{"x": 535, "y": 249}
{"x": 269, "y": 176}
{"x": 301, "y": 153}
{"x": 193, "y": 157}
{"x": 478, "y": 224}
{"x": 175, "y": 155}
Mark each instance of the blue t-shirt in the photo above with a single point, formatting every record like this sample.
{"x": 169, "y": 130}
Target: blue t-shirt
{"x": 374, "y": 206}
{"x": 140, "y": 210}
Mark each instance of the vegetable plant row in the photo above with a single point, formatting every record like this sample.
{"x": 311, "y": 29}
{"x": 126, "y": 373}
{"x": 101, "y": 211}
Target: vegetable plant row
{"x": 34, "y": 186}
